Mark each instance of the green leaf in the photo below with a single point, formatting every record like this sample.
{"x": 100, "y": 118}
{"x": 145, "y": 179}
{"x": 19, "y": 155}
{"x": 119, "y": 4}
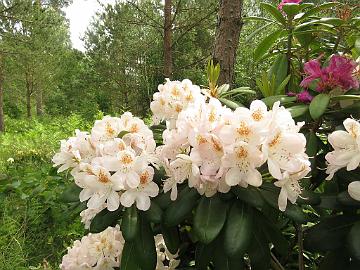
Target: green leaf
{"x": 129, "y": 257}
{"x": 249, "y": 195}
{"x": 269, "y": 101}
{"x": 203, "y": 254}
{"x": 319, "y": 105}
{"x": 257, "y": 31}
{"x": 123, "y": 133}
{"x": 298, "y": 110}
{"x": 329, "y": 234}
{"x": 274, "y": 12}
{"x": 130, "y": 223}
{"x": 291, "y": 9}
{"x": 274, "y": 235}
{"x": 154, "y": 214}
{"x": 238, "y": 226}
{"x": 353, "y": 240}
{"x": 345, "y": 199}
{"x": 145, "y": 246}
{"x": 335, "y": 260}
{"x": 308, "y": 197}
{"x": 105, "y": 219}
{"x": 209, "y": 218}
{"x": 231, "y": 104}
{"x": 171, "y": 238}
{"x": 317, "y": 9}
{"x": 259, "y": 251}
{"x": 71, "y": 194}
{"x": 279, "y": 69}
{"x": 223, "y": 262}
{"x": 346, "y": 97}
{"x": 266, "y": 44}
{"x": 179, "y": 209}
{"x": 312, "y": 144}
{"x": 280, "y": 90}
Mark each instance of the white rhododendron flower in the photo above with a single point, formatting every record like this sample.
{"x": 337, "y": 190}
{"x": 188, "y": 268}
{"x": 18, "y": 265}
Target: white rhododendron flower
{"x": 110, "y": 163}
{"x": 172, "y": 98}
{"x": 354, "y": 190}
{"x": 95, "y": 251}
{"x": 346, "y": 144}
{"x": 165, "y": 260}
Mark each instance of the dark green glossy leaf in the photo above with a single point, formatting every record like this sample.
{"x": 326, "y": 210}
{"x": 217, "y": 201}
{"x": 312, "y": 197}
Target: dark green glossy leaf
{"x": 209, "y": 218}
{"x": 291, "y": 9}
{"x": 203, "y": 255}
{"x": 71, "y": 194}
{"x": 105, "y": 219}
{"x": 179, "y": 209}
{"x": 345, "y": 199}
{"x": 266, "y": 44}
{"x": 279, "y": 69}
{"x": 249, "y": 195}
{"x": 298, "y": 110}
{"x": 329, "y": 234}
{"x": 346, "y": 97}
{"x": 130, "y": 223}
{"x": 269, "y": 101}
{"x": 145, "y": 246}
{"x": 319, "y": 105}
{"x": 317, "y": 9}
{"x": 353, "y": 240}
{"x": 171, "y": 237}
{"x": 238, "y": 226}
{"x": 309, "y": 197}
{"x": 154, "y": 214}
{"x": 259, "y": 251}
{"x": 335, "y": 260}
{"x": 129, "y": 257}
{"x": 231, "y": 104}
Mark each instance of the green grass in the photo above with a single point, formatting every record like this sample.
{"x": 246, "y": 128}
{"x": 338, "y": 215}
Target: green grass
{"x": 35, "y": 227}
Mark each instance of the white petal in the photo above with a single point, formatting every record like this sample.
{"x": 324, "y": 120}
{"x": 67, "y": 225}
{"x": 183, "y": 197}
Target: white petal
{"x": 151, "y": 189}
{"x": 233, "y": 177}
{"x": 127, "y": 199}
{"x": 354, "y": 163}
{"x": 282, "y": 200}
{"x": 274, "y": 169}
{"x": 96, "y": 201}
{"x": 132, "y": 179}
{"x": 254, "y": 178}
{"x": 85, "y": 194}
{"x": 354, "y": 190}
{"x": 113, "y": 201}
{"x": 174, "y": 193}
{"x": 143, "y": 202}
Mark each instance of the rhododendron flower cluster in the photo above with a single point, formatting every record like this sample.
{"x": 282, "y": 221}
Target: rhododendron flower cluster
{"x": 172, "y": 98}
{"x": 303, "y": 97}
{"x": 346, "y": 154}
{"x": 111, "y": 164}
{"x": 100, "y": 251}
{"x": 340, "y": 73}
{"x": 215, "y": 148}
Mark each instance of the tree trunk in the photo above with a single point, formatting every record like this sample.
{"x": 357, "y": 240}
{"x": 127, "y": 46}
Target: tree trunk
{"x": 227, "y": 38}
{"x": 2, "y": 122}
{"x": 39, "y": 103}
{"x": 28, "y": 95}
{"x": 167, "y": 40}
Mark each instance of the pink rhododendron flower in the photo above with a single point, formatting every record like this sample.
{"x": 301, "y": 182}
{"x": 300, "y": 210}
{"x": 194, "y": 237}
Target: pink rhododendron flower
{"x": 280, "y": 6}
{"x": 338, "y": 74}
{"x": 304, "y": 96}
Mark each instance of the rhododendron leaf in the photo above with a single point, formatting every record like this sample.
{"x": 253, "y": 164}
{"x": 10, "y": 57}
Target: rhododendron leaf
{"x": 345, "y": 199}
{"x": 259, "y": 251}
{"x": 123, "y": 133}
{"x": 249, "y": 195}
{"x": 319, "y": 105}
{"x": 335, "y": 260}
{"x": 317, "y": 9}
{"x": 163, "y": 200}
{"x": 209, "y": 218}
{"x": 231, "y": 104}
{"x": 309, "y": 197}
{"x": 71, "y": 193}
{"x": 291, "y": 9}
{"x": 266, "y": 44}
{"x": 274, "y": 12}
{"x": 203, "y": 254}
{"x": 346, "y": 97}
{"x": 145, "y": 246}
{"x": 238, "y": 226}
{"x": 274, "y": 235}
{"x": 269, "y": 101}
{"x": 298, "y": 110}
{"x": 154, "y": 214}
{"x": 280, "y": 90}
{"x": 279, "y": 69}
{"x": 353, "y": 239}
{"x": 129, "y": 257}
{"x": 105, "y": 219}
{"x": 329, "y": 234}
{"x": 179, "y": 209}
{"x": 171, "y": 238}
{"x": 130, "y": 223}
{"x": 223, "y": 262}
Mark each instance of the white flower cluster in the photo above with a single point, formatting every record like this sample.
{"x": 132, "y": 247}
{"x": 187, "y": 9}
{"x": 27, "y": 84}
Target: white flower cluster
{"x": 346, "y": 144}
{"x": 101, "y": 251}
{"x": 215, "y": 148}
{"x": 165, "y": 259}
{"x": 172, "y": 98}
{"x": 111, "y": 164}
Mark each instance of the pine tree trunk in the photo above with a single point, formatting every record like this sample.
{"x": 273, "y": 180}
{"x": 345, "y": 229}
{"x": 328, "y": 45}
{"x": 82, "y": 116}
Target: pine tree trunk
{"x": 39, "y": 103}
{"x": 28, "y": 95}
{"x": 227, "y": 38}
{"x": 167, "y": 40}
{"x": 2, "y": 122}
